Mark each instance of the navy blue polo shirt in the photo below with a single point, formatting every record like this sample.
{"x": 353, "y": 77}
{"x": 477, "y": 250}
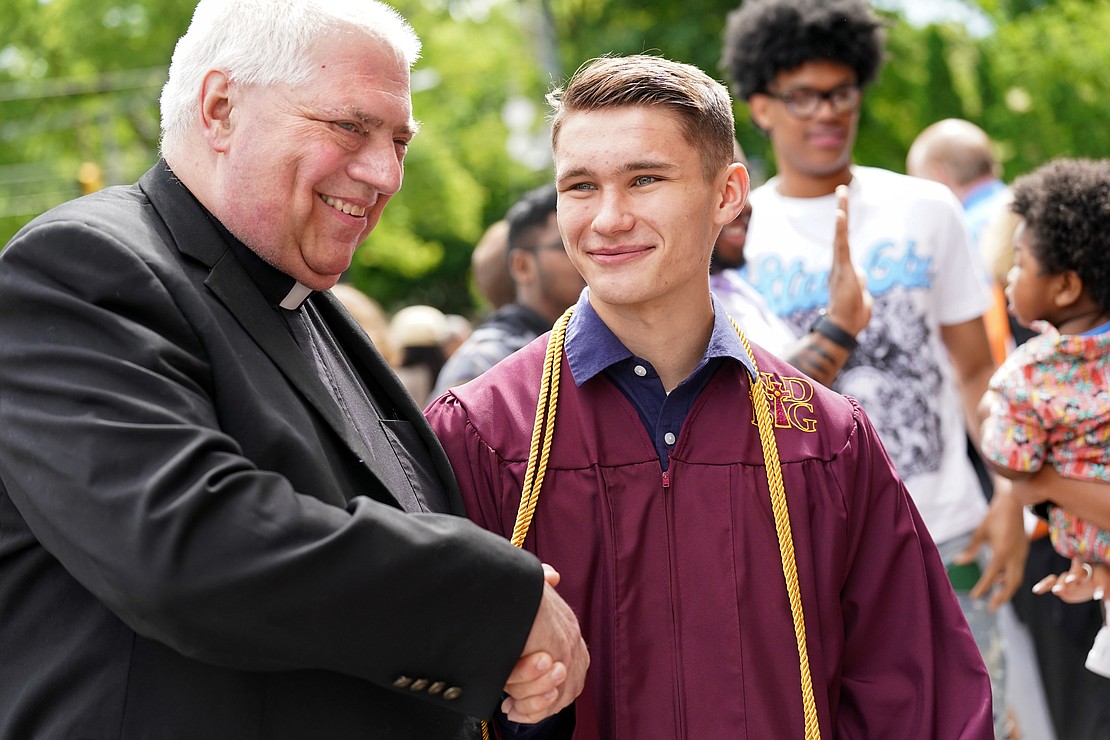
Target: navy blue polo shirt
{"x": 592, "y": 348}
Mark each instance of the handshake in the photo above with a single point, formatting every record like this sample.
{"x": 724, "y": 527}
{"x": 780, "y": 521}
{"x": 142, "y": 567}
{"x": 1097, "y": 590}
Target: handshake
{"x": 552, "y": 669}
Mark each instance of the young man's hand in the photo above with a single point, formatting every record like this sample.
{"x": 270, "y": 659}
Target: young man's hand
{"x": 849, "y": 300}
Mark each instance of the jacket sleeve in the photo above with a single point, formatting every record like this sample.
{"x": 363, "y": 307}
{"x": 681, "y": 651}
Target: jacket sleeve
{"x": 923, "y": 678}
{"x": 114, "y": 454}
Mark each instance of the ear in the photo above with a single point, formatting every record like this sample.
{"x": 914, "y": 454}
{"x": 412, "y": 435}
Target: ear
{"x": 1069, "y": 289}
{"x": 215, "y": 109}
{"x": 759, "y": 105}
{"x": 734, "y": 194}
{"x": 522, "y": 266}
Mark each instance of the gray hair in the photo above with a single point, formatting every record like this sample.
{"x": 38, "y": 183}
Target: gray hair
{"x": 266, "y": 42}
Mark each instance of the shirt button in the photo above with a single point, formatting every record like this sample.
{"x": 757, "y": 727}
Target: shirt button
{"x": 402, "y": 682}
{"x": 437, "y": 688}
{"x": 419, "y": 684}
{"x": 640, "y": 370}
{"x": 452, "y": 693}
{"x": 669, "y": 438}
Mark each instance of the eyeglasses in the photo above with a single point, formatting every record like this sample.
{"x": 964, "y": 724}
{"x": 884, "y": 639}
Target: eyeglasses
{"x": 804, "y": 102}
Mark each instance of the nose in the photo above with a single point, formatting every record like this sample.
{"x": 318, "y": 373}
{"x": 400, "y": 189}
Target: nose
{"x": 378, "y": 165}
{"x": 825, "y": 109}
{"x": 613, "y": 214}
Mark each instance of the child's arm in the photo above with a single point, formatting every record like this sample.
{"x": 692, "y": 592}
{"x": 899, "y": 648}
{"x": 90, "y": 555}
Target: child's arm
{"x": 993, "y": 440}
{"x": 1087, "y": 499}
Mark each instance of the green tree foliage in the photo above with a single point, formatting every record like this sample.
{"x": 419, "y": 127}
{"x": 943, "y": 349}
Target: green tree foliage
{"x": 1048, "y": 69}
{"x": 941, "y": 98}
{"x": 77, "y": 83}
{"x": 459, "y": 174}
{"x": 82, "y": 90}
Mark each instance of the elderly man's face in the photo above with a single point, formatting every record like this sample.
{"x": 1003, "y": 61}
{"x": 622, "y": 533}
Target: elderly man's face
{"x": 308, "y": 170}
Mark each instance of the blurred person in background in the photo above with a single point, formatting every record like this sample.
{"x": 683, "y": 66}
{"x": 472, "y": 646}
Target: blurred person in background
{"x": 489, "y": 266}
{"x": 923, "y": 361}
{"x": 420, "y": 333}
{"x": 371, "y": 317}
{"x": 459, "y": 328}
{"x": 1049, "y": 407}
{"x": 960, "y": 155}
{"x": 822, "y": 352}
{"x": 545, "y": 283}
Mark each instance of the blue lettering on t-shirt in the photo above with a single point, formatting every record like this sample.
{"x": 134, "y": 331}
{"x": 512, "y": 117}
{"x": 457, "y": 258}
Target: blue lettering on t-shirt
{"x": 789, "y": 289}
{"x": 886, "y": 268}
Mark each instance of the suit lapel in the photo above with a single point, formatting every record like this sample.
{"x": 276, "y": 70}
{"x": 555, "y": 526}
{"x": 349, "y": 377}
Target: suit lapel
{"x": 231, "y": 284}
{"x": 376, "y": 372}
{"x": 196, "y": 237}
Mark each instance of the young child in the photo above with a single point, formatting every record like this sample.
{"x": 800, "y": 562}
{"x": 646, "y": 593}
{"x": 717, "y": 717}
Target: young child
{"x": 1050, "y": 401}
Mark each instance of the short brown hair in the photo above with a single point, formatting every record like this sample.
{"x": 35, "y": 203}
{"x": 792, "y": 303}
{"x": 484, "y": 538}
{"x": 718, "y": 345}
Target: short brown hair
{"x": 702, "y": 104}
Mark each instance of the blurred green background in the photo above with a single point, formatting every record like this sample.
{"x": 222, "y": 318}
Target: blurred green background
{"x": 79, "y": 83}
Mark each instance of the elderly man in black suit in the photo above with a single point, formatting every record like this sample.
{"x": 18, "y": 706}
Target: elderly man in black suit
{"x": 221, "y": 516}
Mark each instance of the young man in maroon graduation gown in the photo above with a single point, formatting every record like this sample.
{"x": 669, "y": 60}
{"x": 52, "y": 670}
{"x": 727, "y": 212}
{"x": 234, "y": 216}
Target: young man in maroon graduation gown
{"x": 656, "y": 500}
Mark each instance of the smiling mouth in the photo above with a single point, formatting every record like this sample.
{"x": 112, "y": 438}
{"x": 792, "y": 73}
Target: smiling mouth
{"x": 341, "y": 205}
{"x": 619, "y": 254}
{"x": 828, "y": 136}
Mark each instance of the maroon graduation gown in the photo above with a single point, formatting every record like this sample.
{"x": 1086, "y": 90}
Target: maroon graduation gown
{"x": 677, "y": 579}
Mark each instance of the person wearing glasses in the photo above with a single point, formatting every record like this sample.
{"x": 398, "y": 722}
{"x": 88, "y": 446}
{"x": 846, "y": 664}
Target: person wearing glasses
{"x": 924, "y": 360}
{"x": 545, "y": 282}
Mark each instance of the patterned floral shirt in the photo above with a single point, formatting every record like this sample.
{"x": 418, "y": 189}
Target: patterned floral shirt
{"x": 1050, "y": 403}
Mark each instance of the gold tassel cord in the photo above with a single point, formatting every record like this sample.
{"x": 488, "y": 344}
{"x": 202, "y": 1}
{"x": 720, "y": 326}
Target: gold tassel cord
{"x": 543, "y": 431}
{"x": 544, "y": 428}
{"x": 781, "y": 511}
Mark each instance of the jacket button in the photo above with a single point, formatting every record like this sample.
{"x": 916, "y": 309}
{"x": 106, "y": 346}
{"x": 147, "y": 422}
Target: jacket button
{"x": 437, "y": 688}
{"x": 452, "y": 693}
{"x": 419, "y": 684}
{"x": 402, "y": 682}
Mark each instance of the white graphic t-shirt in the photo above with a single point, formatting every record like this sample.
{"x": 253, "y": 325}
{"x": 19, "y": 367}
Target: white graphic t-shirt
{"x": 909, "y": 237}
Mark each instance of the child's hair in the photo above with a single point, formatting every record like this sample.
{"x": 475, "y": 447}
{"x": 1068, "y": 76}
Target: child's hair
{"x": 1066, "y": 207}
{"x": 765, "y": 37}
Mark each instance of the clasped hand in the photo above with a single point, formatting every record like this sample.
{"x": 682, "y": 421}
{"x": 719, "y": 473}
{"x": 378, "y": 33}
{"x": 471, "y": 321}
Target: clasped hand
{"x": 552, "y": 669}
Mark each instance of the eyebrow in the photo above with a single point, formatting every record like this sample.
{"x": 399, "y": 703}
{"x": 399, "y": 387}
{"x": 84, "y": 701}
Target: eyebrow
{"x": 627, "y": 168}
{"x": 810, "y": 88}
{"x": 410, "y": 128}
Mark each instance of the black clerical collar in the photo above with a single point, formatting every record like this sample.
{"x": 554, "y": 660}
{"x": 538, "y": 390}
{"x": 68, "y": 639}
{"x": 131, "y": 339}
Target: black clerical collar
{"x": 277, "y": 287}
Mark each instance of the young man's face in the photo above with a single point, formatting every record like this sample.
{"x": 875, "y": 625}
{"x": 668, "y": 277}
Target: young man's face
{"x": 636, "y": 213}
{"x": 816, "y": 146}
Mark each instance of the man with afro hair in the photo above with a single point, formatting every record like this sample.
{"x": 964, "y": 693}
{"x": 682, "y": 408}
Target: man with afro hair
{"x": 924, "y": 361}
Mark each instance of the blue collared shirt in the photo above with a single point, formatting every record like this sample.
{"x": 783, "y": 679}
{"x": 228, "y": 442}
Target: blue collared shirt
{"x": 592, "y": 348}
{"x": 981, "y": 205}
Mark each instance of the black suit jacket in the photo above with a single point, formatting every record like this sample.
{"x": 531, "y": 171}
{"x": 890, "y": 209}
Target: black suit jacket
{"x": 193, "y": 539}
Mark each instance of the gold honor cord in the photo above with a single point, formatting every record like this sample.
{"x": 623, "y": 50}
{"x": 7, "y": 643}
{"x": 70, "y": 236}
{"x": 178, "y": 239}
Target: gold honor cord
{"x": 544, "y": 429}
{"x": 773, "y": 467}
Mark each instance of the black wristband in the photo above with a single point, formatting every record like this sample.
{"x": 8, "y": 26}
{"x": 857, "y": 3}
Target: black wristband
{"x": 826, "y": 328}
